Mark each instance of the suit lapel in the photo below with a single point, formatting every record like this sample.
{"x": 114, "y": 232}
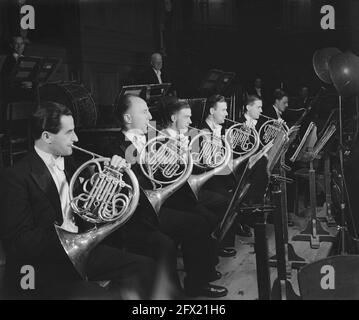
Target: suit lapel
{"x": 206, "y": 126}
{"x": 45, "y": 182}
{"x": 155, "y": 79}
{"x": 127, "y": 149}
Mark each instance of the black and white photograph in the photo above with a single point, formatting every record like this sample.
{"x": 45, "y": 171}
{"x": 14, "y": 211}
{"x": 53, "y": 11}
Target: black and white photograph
{"x": 203, "y": 151}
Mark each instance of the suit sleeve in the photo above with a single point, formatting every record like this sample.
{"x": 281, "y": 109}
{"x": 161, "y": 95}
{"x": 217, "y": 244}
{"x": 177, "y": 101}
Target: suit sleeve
{"x": 24, "y": 235}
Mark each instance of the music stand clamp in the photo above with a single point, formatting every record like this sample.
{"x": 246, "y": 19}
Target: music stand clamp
{"x": 307, "y": 152}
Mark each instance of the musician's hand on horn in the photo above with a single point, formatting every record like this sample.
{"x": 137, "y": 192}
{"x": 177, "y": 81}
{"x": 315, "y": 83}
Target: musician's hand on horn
{"x": 118, "y": 162}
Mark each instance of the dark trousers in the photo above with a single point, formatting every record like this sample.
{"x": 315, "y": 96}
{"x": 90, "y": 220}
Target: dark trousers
{"x": 131, "y": 277}
{"x": 148, "y": 240}
{"x": 211, "y": 206}
{"x": 175, "y": 227}
{"x": 193, "y": 233}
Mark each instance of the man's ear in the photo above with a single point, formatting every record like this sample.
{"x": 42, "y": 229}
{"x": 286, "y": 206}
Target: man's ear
{"x": 46, "y": 136}
{"x": 127, "y": 118}
{"x": 173, "y": 118}
{"x": 211, "y": 111}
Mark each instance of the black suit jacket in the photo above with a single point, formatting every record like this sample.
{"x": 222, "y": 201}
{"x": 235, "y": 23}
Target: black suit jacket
{"x": 120, "y": 145}
{"x": 270, "y": 112}
{"x": 207, "y": 127}
{"x": 30, "y": 207}
{"x": 149, "y": 77}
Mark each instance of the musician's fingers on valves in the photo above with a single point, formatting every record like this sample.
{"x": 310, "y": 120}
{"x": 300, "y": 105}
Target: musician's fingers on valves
{"x": 118, "y": 162}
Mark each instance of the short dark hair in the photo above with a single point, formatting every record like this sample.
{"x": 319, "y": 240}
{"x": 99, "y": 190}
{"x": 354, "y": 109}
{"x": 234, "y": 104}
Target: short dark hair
{"x": 249, "y": 101}
{"x": 122, "y": 107}
{"x": 48, "y": 118}
{"x": 211, "y": 102}
{"x": 252, "y": 98}
{"x": 173, "y": 107}
{"x": 279, "y": 94}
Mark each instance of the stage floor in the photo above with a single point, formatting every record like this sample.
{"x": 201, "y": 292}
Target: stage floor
{"x": 239, "y": 272}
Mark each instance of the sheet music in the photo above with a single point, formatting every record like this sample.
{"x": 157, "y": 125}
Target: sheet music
{"x": 303, "y": 141}
{"x": 330, "y": 130}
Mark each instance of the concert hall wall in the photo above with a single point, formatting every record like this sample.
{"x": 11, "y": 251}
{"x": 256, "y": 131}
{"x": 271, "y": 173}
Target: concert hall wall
{"x": 107, "y": 43}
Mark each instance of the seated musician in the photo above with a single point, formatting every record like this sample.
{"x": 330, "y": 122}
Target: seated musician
{"x": 156, "y": 74}
{"x": 141, "y": 234}
{"x": 252, "y": 112}
{"x": 277, "y": 110}
{"x": 251, "y": 117}
{"x": 210, "y": 204}
{"x": 35, "y": 196}
{"x": 215, "y": 115}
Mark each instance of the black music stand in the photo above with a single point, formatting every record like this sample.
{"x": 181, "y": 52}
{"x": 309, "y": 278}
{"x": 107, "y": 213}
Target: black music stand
{"x": 36, "y": 70}
{"x": 276, "y": 153}
{"x": 147, "y": 92}
{"x": 307, "y": 151}
{"x": 282, "y": 286}
{"x": 151, "y": 93}
{"x": 293, "y": 260}
{"x": 216, "y": 81}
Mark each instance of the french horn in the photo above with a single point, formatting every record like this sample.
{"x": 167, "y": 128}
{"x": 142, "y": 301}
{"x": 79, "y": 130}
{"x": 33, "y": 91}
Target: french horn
{"x": 107, "y": 198}
{"x": 209, "y": 153}
{"x": 270, "y": 129}
{"x": 244, "y": 142}
{"x": 167, "y": 165}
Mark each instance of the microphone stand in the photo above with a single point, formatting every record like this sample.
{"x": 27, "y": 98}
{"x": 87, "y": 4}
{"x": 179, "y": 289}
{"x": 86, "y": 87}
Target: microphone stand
{"x": 343, "y": 233}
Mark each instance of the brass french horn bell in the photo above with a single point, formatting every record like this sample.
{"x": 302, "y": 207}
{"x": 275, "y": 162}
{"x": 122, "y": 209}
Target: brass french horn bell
{"x": 107, "y": 198}
{"x": 166, "y": 165}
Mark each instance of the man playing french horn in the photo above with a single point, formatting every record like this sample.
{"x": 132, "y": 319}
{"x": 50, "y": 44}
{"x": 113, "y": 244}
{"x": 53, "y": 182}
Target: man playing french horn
{"x": 208, "y": 153}
{"x": 156, "y": 228}
{"x": 35, "y": 196}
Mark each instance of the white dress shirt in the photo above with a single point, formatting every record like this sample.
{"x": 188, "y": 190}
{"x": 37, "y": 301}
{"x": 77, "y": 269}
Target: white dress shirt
{"x": 158, "y": 74}
{"x": 250, "y": 122}
{"x": 184, "y": 141}
{"x": 137, "y": 138}
{"x": 259, "y": 92}
{"x": 216, "y": 128}
{"x": 56, "y": 167}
